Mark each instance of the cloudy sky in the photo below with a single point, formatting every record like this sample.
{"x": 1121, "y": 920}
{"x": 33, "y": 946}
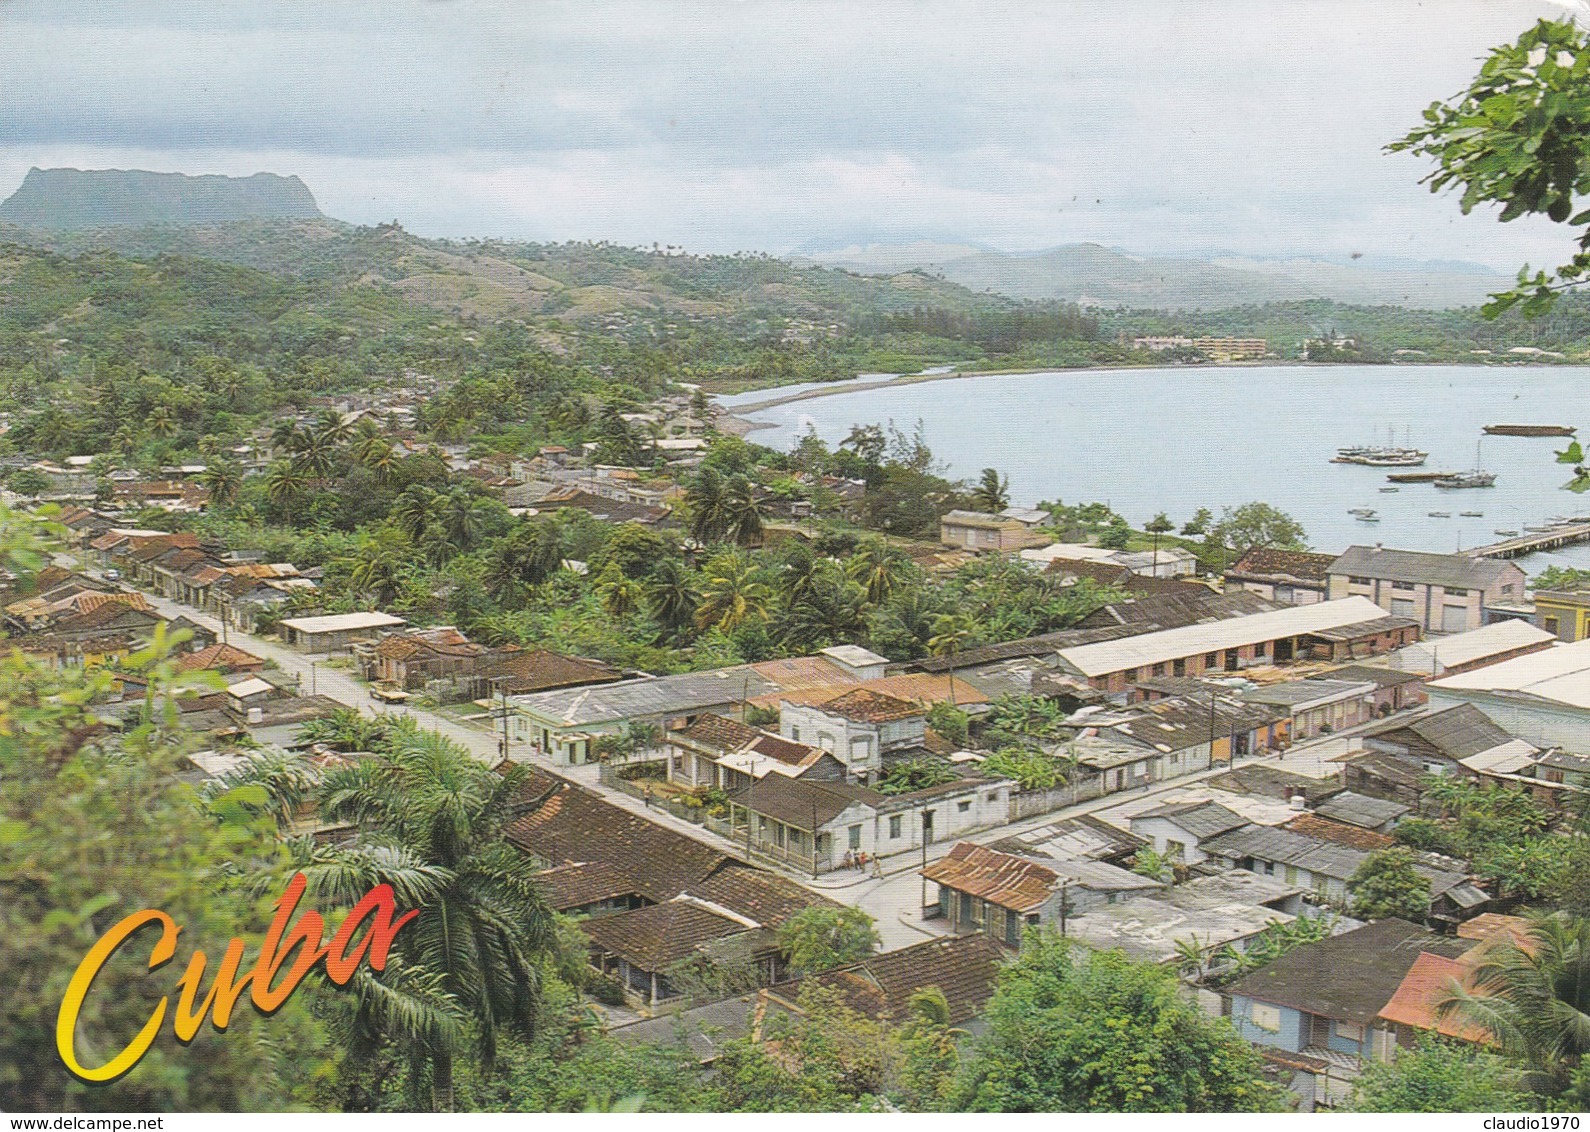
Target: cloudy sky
{"x": 1156, "y": 125}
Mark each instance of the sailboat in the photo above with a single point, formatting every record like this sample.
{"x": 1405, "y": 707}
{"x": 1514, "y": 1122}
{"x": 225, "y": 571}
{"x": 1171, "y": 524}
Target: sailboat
{"x": 1476, "y": 478}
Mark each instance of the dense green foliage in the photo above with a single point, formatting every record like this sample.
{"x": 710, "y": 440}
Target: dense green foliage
{"x": 1440, "y": 1076}
{"x": 1070, "y": 1031}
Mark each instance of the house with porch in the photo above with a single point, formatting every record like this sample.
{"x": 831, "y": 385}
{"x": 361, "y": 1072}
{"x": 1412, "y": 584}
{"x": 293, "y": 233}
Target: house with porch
{"x": 812, "y": 824}
{"x": 1315, "y": 1011}
{"x": 1000, "y": 894}
{"x": 565, "y": 722}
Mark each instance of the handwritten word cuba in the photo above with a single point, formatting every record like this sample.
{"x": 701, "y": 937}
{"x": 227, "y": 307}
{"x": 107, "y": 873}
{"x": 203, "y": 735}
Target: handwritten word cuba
{"x": 284, "y": 937}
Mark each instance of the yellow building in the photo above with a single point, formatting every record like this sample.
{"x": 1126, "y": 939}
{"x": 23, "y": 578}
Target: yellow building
{"x": 1563, "y": 613}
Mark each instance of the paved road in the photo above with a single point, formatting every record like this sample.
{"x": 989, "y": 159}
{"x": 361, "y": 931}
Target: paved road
{"x": 893, "y": 900}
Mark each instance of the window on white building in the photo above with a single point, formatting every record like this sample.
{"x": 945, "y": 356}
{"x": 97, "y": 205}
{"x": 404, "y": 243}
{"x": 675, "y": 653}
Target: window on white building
{"x": 894, "y": 828}
{"x": 962, "y": 807}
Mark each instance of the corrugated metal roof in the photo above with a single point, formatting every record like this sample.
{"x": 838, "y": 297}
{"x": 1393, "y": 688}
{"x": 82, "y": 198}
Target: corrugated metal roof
{"x": 1421, "y": 568}
{"x": 1158, "y": 648}
{"x": 646, "y": 698}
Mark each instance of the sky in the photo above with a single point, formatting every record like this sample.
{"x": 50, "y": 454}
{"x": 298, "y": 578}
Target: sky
{"x": 1159, "y": 126}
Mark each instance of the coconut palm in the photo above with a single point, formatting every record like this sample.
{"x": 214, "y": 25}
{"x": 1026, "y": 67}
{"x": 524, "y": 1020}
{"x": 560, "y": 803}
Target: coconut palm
{"x": 1533, "y": 996}
{"x": 706, "y": 497}
{"x": 831, "y": 610}
{"x": 529, "y": 556}
{"x": 378, "y": 454}
{"x": 671, "y": 594}
{"x": 285, "y": 486}
{"x": 433, "y": 818}
{"x": 744, "y": 520}
{"x": 879, "y": 568}
{"x": 732, "y": 594}
{"x": 416, "y": 509}
{"x": 464, "y": 517}
{"x": 284, "y": 435}
{"x": 162, "y": 422}
{"x": 221, "y": 479}
{"x": 951, "y": 633}
{"x": 316, "y": 452}
{"x": 376, "y": 568}
{"x": 620, "y": 595}
{"x": 992, "y": 492}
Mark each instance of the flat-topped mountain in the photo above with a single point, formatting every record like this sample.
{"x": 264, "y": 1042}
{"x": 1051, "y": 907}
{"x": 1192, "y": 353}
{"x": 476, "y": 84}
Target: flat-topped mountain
{"x": 99, "y": 198}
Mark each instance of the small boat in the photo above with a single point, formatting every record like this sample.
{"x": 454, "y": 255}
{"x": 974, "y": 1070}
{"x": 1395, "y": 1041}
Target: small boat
{"x": 1369, "y": 518}
{"x": 1467, "y": 479}
{"x": 1440, "y": 514}
{"x": 1529, "y": 430}
{"x": 1384, "y": 490}
{"x": 1506, "y": 534}
{"x": 1360, "y": 511}
{"x": 1417, "y": 477}
{"x": 1472, "y": 514}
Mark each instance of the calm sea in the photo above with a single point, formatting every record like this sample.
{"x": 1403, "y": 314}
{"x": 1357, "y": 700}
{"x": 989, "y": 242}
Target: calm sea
{"x": 1174, "y": 440}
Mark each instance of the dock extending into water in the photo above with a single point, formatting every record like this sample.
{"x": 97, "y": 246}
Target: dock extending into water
{"x": 1565, "y": 535}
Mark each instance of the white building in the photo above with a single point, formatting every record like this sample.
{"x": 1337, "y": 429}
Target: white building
{"x": 857, "y": 727}
{"x": 1543, "y": 696}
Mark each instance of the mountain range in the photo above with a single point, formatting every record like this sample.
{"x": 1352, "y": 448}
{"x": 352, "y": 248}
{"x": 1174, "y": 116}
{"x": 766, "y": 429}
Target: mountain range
{"x": 1094, "y": 275}
{"x": 139, "y": 212}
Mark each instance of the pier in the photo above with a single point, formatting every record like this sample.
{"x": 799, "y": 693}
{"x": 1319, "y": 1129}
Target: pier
{"x": 1565, "y": 535}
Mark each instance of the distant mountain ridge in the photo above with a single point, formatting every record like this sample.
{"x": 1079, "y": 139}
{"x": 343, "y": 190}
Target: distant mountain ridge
{"x": 1094, "y": 275}
{"x": 100, "y": 198}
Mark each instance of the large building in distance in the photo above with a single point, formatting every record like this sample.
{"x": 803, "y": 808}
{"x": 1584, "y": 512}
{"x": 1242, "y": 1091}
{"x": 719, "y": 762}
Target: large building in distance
{"x": 1347, "y": 629}
{"x": 1444, "y": 593}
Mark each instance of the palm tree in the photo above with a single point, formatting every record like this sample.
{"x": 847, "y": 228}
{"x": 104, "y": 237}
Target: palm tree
{"x": 992, "y": 492}
{"x": 429, "y": 812}
{"x": 465, "y": 517}
{"x": 707, "y": 500}
{"x": 1159, "y": 525}
{"x": 376, "y": 569}
{"x": 221, "y": 479}
{"x": 732, "y": 594}
{"x": 416, "y": 509}
{"x": 831, "y": 610}
{"x": 620, "y": 595}
{"x": 529, "y": 556}
{"x": 162, "y": 422}
{"x": 284, "y": 435}
{"x": 951, "y": 633}
{"x": 671, "y": 594}
{"x": 316, "y": 452}
{"x": 744, "y": 520}
{"x": 285, "y": 485}
{"x": 378, "y": 454}
{"x": 1533, "y": 996}
{"x": 878, "y": 567}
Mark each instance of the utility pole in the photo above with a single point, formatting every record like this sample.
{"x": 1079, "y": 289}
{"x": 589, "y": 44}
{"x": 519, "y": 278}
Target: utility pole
{"x": 1065, "y": 903}
{"x": 926, "y": 825}
{"x": 814, "y": 836}
{"x": 502, "y": 744}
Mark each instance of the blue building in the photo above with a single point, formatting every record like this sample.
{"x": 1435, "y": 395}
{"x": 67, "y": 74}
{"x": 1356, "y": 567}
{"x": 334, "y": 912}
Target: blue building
{"x": 1315, "y": 1010}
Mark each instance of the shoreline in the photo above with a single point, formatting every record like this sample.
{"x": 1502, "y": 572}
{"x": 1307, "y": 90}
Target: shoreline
{"x": 734, "y": 421}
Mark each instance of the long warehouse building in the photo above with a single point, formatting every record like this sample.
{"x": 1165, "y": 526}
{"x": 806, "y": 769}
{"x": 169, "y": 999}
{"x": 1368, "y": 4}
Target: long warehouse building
{"x": 1347, "y": 629}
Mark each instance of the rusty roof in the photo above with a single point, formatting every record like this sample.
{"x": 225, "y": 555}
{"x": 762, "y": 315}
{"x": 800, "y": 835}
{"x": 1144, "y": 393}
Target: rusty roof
{"x": 219, "y": 656}
{"x": 999, "y": 878}
{"x": 1428, "y": 983}
{"x": 1340, "y": 833}
{"x": 869, "y": 706}
{"x": 964, "y": 968}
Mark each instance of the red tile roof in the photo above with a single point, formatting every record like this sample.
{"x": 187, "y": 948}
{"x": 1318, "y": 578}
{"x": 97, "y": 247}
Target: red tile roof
{"x": 220, "y": 656}
{"x": 1428, "y": 983}
{"x": 869, "y": 706}
{"x": 1339, "y": 833}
